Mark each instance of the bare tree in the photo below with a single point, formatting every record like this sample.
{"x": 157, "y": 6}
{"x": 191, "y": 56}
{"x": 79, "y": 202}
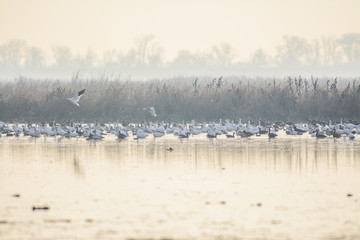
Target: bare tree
{"x": 12, "y": 53}
{"x": 63, "y": 56}
{"x": 324, "y": 52}
{"x": 350, "y": 44}
{"x": 195, "y": 62}
{"x": 259, "y": 58}
{"x": 34, "y": 58}
{"x": 156, "y": 57}
{"x": 89, "y": 60}
{"x": 147, "y": 48}
{"x": 224, "y": 54}
{"x": 127, "y": 60}
{"x": 293, "y": 51}
{"x": 109, "y": 57}
{"x": 330, "y": 51}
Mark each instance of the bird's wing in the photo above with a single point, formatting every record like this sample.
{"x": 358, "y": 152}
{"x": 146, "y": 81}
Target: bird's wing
{"x": 72, "y": 99}
{"x": 152, "y": 110}
{"x": 77, "y": 95}
{"x": 81, "y": 92}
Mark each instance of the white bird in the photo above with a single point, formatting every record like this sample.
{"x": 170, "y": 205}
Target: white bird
{"x": 75, "y": 99}
{"x": 195, "y": 130}
{"x": 158, "y": 133}
{"x": 351, "y": 135}
{"x": 61, "y": 131}
{"x": 151, "y": 110}
{"x": 141, "y": 134}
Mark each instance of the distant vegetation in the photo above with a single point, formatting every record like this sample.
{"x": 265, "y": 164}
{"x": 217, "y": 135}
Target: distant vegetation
{"x": 294, "y": 55}
{"x": 181, "y": 99}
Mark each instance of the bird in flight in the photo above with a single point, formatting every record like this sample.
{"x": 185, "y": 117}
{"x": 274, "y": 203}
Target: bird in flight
{"x": 75, "y": 99}
{"x": 151, "y": 110}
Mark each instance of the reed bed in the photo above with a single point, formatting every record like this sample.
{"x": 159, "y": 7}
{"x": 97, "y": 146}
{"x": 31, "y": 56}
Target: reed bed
{"x": 181, "y": 99}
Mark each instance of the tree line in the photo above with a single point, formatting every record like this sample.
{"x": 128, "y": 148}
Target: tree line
{"x": 294, "y": 55}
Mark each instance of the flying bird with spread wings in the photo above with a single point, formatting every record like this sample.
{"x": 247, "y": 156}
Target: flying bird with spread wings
{"x": 75, "y": 99}
{"x": 151, "y": 110}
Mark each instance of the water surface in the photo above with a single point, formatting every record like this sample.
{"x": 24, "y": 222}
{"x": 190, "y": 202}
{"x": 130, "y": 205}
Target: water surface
{"x": 286, "y": 188}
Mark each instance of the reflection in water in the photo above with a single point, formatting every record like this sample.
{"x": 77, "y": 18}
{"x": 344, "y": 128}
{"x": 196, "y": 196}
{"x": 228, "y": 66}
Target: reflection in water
{"x": 285, "y": 188}
{"x": 78, "y": 169}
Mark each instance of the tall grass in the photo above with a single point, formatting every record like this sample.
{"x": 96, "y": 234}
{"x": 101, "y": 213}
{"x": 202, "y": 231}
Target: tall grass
{"x": 181, "y": 99}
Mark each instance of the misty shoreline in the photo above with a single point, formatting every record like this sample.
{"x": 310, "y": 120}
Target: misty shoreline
{"x": 182, "y": 99}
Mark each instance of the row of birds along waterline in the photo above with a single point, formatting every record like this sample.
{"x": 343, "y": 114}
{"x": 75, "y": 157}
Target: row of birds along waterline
{"x": 220, "y": 129}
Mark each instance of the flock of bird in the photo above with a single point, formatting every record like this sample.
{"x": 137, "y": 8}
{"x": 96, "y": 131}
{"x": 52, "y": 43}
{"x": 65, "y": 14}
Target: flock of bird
{"x": 183, "y": 130}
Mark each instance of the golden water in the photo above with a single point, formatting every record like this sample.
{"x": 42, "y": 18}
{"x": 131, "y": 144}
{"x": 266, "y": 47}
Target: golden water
{"x": 286, "y": 188}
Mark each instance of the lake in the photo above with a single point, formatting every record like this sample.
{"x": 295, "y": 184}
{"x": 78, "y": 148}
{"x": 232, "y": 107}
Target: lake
{"x": 291, "y": 187}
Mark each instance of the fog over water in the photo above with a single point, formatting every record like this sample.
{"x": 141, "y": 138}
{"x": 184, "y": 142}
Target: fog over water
{"x": 198, "y": 119}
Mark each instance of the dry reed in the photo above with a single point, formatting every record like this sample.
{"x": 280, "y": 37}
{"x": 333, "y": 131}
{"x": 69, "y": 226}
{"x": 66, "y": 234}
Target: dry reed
{"x": 180, "y": 99}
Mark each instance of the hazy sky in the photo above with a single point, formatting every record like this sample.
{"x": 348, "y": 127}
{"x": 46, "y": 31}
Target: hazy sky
{"x": 176, "y": 24}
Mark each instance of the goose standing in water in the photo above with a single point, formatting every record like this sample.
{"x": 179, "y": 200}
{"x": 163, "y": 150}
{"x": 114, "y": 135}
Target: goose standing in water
{"x": 262, "y": 129}
{"x": 244, "y": 134}
{"x": 357, "y": 129}
{"x": 272, "y": 134}
{"x": 122, "y": 134}
{"x": 140, "y": 134}
{"x": 75, "y": 99}
{"x": 351, "y": 135}
{"x": 320, "y": 134}
{"x": 335, "y": 133}
{"x": 60, "y": 131}
{"x": 211, "y": 133}
{"x": 230, "y": 135}
{"x": 195, "y": 130}
{"x": 158, "y": 133}
{"x": 184, "y": 133}
{"x": 94, "y": 136}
